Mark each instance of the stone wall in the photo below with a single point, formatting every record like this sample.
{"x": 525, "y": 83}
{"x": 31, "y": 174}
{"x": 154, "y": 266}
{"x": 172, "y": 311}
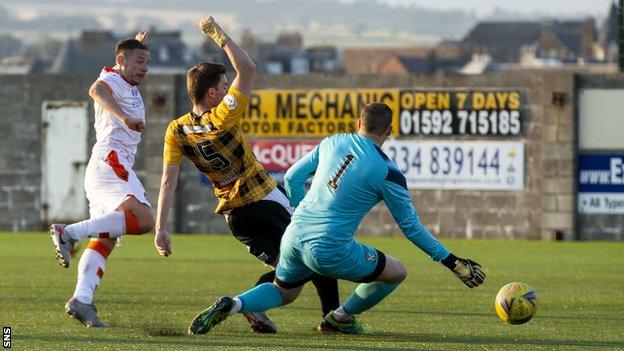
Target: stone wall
{"x": 544, "y": 207}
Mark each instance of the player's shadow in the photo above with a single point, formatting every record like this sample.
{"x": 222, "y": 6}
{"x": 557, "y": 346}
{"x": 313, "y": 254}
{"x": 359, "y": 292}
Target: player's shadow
{"x": 432, "y": 338}
{"x": 394, "y": 312}
{"x": 262, "y": 342}
{"x": 175, "y": 338}
{"x": 488, "y": 314}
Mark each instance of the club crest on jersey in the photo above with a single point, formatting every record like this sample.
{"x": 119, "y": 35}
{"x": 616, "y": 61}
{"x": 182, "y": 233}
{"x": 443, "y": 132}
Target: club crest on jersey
{"x": 230, "y": 101}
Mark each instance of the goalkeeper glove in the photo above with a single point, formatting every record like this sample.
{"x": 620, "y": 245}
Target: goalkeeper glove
{"x": 468, "y": 271}
{"x": 212, "y": 29}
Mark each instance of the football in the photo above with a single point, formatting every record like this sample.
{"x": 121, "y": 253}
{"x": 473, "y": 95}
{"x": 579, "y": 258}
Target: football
{"x": 516, "y": 303}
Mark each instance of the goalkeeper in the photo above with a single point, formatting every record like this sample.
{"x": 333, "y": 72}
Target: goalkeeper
{"x": 351, "y": 175}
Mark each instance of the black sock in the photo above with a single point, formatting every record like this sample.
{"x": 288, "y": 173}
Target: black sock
{"x": 327, "y": 289}
{"x": 267, "y": 277}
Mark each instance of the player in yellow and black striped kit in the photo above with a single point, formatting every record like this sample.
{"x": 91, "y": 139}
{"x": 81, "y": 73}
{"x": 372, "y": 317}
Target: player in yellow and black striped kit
{"x": 256, "y": 210}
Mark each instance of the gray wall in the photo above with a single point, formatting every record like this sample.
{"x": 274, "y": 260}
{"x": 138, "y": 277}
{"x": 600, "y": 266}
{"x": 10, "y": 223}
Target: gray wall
{"x": 544, "y": 207}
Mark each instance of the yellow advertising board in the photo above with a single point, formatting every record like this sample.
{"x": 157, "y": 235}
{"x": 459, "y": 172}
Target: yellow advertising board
{"x": 416, "y": 111}
{"x": 310, "y": 112}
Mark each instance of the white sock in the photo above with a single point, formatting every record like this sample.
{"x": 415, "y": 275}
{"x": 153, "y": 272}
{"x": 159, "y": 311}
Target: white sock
{"x": 110, "y": 225}
{"x": 90, "y": 270}
{"x": 341, "y": 315}
{"x": 238, "y": 304}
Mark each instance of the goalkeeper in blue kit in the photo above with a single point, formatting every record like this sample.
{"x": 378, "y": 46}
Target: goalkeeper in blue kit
{"x": 351, "y": 175}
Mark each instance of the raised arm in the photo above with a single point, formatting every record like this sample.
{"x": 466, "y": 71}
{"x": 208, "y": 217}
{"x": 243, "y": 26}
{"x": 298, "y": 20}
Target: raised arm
{"x": 244, "y": 66}
{"x": 102, "y": 94}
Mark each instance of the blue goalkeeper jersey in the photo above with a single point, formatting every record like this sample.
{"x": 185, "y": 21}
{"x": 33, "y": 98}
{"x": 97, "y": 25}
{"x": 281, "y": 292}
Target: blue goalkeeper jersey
{"x": 351, "y": 175}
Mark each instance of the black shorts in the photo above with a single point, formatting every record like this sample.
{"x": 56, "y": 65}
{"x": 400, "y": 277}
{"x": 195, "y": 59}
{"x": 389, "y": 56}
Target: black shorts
{"x": 260, "y": 225}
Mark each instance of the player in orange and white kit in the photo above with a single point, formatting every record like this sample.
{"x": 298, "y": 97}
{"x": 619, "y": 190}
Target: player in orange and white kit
{"x": 117, "y": 201}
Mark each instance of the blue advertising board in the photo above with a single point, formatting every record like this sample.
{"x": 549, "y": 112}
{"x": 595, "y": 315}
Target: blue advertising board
{"x": 601, "y": 183}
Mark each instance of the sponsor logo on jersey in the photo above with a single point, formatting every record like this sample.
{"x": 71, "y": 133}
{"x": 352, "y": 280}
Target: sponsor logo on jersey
{"x": 197, "y": 129}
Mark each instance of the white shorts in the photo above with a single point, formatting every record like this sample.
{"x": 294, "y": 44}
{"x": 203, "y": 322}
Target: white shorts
{"x": 109, "y": 180}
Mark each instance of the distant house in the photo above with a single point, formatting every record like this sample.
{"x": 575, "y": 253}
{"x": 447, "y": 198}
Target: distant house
{"x": 16, "y": 59}
{"x": 87, "y": 54}
{"x": 608, "y": 36}
{"x": 505, "y": 42}
{"x": 169, "y": 53}
{"x": 448, "y": 56}
{"x": 502, "y": 40}
{"x": 393, "y": 60}
{"x": 94, "y": 49}
{"x": 21, "y": 64}
{"x": 287, "y": 55}
{"x": 568, "y": 40}
{"x": 280, "y": 57}
{"x": 323, "y": 59}
{"x": 399, "y": 64}
{"x": 9, "y": 46}
{"x": 209, "y": 51}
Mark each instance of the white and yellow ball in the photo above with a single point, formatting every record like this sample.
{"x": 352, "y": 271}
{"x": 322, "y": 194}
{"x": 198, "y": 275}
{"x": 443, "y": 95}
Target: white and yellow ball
{"x": 516, "y": 303}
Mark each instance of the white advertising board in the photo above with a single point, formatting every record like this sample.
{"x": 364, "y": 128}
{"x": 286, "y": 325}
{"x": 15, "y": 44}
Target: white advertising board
{"x": 441, "y": 164}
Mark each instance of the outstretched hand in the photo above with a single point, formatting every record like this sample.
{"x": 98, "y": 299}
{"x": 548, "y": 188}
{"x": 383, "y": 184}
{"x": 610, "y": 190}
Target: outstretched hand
{"x": 204, "y": 24}
{"x": 211, "y": 28}
{"x": 468, "y": 271}
{"x": 142, "y": 36}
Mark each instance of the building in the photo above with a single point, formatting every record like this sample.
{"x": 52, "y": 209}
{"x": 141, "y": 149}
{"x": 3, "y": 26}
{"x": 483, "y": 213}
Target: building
{"x": 323, "y": 59}
{"x": 608, "y": 36}
{"x": 21, "y": 64}
{"x": 448, "y": 56}
{"x": 86, "y": 54}
{"x": 169, "y": 53}
{"x": 400, "y": 64}
{"x": 287, "y": 55}
{"x": 94, "y": 49}
{"x": 507, "y": 41}
{"x": 392, "y": 60}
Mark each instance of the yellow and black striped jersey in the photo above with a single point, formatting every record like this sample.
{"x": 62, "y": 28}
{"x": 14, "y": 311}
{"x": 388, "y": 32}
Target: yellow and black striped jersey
{"x": 218, "y": 148}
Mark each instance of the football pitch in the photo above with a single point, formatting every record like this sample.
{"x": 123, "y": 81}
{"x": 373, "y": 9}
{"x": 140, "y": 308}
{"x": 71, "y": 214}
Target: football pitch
{"x": 149, "y": 300}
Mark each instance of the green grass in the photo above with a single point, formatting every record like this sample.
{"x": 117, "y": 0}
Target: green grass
{"x": 149, "y": 300}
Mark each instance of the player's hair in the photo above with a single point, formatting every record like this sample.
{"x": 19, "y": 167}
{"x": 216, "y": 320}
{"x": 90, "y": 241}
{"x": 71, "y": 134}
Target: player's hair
{"x": 202, "y": 77}
{"x": 376, "y": 118}
{"x": 128, "y": 46}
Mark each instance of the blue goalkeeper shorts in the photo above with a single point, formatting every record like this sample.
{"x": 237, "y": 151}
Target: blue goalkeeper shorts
{"x": 299, "y": 261}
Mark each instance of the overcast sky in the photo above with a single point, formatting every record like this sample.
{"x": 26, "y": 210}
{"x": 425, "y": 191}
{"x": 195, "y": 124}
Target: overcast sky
{"x": 482, "y": 7}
